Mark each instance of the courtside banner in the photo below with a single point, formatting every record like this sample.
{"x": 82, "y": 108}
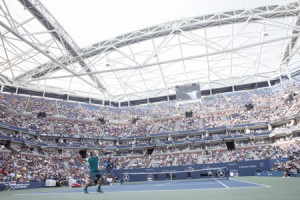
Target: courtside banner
{"x": 24, "y": 185}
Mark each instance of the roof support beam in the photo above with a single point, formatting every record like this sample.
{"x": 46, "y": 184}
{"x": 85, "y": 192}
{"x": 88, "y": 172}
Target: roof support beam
{"x": 44, "y": 53}
{"x": 288, "y": 52}
{"x": 218, "y": 19}
{"x": 56, "y": 30}
{"x": 183, "y": 58}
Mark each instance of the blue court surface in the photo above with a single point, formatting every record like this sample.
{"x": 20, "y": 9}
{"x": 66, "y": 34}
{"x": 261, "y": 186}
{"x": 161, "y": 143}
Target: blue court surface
{"x": 159, "y": 186}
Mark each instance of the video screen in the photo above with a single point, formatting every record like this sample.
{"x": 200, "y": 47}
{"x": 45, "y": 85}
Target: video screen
{"x": 188, "y": 92}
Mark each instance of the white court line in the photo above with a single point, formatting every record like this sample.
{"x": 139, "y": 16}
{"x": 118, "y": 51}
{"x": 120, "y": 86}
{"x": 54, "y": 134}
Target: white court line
{"x": 183, "y": 183}
{"x": 251, "y": 183}
{"x": 36, "y": 194}
{"x": 158, "y": 185}
{"x": 222, "y": 184}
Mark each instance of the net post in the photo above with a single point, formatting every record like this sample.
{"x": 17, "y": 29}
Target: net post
{"x": 121, "y": 178}
{"x": 227, "y": 173}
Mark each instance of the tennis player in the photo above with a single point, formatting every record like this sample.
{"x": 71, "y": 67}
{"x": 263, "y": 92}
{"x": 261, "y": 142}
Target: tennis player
{"x": 95, "y": 174}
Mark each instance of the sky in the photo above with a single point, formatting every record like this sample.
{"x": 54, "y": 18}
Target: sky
{"x": 92, "y": 21}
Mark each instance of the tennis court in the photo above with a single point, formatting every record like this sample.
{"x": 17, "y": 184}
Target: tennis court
{"x": 235, "y": 188}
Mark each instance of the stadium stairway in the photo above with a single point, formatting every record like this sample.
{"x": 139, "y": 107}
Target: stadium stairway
{"x": 150, "y": 162}
{"x": 56, "y": 108}
{"x": 51, "y": 127}
{"x": 77, "y": 128}
{"x": 253, "y": 119}
{"x": 174, "y": 161}
{"x": 252, "y": 154}
{"x": 224, "y": 119}
{"x": 201, "y": 123}
{"x": 135, "y": 127}
{"x": 66, "y": 163}
{"x": 101, "y": 130}
{"x": 153, "y": 128}
{"x": 176, "y": 126}
{"x": 226, "y": 158}
{"x": 200, "y": 159}
{"x": 13, "y": 150}
{"x": 27, "y": 103}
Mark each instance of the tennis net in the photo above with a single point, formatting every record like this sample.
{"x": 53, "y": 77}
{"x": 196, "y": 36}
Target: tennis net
{"x": 172, "y": 175}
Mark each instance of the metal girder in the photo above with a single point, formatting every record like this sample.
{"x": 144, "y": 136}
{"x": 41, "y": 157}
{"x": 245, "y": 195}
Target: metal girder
{"x": 237, "y": 16}
{"x": 179, "y": 59}
{"x": 45, "y": 68}
{"x": 4, "y": 79}
{"x": 230, "y": 17}
{"x": 43, "y": 53}
{"x": 50, "y": 23}
{"x": 57, "y": 31}
{"x": 288, "y": 52}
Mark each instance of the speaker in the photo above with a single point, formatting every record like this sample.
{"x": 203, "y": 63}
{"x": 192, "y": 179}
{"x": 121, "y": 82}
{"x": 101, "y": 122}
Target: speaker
{"x": 249, "y": 106}
{"x": 149, "y": 151}
{"x": 230, "y": 145}
{"x": 134, "y": 120}
{"x": 189, "y": 114}
{"x": 83, "y": 153}
{"x": 101, "y": 120}
{"x": 41, "y": 114}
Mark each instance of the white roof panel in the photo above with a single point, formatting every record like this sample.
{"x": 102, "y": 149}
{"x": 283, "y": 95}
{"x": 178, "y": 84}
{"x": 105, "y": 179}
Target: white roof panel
{"x": 141, "y": 50}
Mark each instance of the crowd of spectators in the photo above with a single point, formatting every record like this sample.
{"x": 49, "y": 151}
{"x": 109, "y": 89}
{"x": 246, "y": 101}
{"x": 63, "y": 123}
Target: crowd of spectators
{"x": 51, "y": 163}
{"x": 24, "y": 168}
{"x": 62, "y": 117}
{"x": 269, "y": 104}
{"x": 60, "y": 166}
